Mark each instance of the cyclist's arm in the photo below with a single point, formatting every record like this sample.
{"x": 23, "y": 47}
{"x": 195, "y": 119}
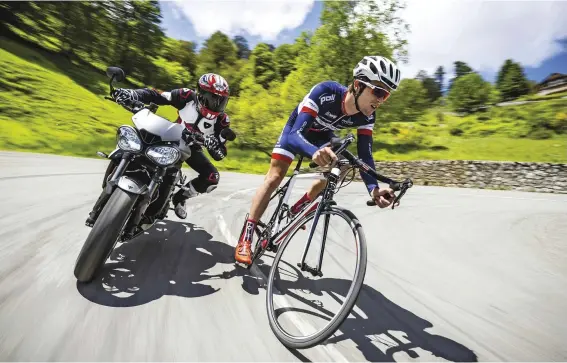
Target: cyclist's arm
{"x": 296, "y": 137}
{"x": 364, "y": 149}
{"x": 309, "y": 108}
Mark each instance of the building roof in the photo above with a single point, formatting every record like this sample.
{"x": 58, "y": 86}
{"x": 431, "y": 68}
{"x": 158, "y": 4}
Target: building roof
{"x": 552, "y": 77}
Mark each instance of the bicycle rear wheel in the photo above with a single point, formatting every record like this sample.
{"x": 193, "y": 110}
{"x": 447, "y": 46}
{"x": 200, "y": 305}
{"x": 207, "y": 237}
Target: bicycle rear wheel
{"x": 349, "y": 289}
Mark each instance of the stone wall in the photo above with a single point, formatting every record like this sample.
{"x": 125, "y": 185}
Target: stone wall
{"x": 536, "y": 177}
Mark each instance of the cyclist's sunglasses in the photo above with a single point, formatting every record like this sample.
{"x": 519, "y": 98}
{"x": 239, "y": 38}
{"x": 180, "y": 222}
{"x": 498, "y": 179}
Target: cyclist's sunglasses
{"x": 379, "y": 92}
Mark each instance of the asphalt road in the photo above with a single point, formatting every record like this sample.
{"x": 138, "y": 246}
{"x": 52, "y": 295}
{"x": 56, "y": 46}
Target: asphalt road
{"x": 453, "y": 274}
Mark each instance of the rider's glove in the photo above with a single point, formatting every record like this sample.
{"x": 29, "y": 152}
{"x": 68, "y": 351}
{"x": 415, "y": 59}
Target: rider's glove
{"x": 214, "y": 147}
{"x": 124, "y": 96}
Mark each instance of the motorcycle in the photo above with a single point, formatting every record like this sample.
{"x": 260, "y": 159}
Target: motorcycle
{"x": 139, "y": 182}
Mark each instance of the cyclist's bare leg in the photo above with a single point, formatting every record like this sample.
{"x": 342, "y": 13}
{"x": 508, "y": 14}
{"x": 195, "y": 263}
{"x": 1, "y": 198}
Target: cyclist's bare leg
{"x": 274, "y": 177}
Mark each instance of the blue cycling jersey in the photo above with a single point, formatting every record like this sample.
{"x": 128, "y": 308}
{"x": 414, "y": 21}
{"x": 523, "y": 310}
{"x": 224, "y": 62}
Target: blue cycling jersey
{"x": 313, "y": 121}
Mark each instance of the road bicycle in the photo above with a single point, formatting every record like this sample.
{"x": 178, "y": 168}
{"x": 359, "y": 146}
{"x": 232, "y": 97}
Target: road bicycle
{"x": 276, "y": 234}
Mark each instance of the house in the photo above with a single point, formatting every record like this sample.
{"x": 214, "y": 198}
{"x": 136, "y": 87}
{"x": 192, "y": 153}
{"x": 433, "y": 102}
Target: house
{"x": 555, "y": 82}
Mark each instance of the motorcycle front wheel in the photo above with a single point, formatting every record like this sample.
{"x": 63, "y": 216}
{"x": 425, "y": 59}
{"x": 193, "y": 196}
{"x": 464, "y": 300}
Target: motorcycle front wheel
{"x": 103, "y": 236}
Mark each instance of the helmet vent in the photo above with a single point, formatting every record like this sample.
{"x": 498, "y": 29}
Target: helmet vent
{"x": 373, "y": 68}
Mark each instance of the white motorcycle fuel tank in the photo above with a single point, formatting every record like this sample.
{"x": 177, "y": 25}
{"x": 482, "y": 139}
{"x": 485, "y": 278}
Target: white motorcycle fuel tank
{"x": 157, "y": 125}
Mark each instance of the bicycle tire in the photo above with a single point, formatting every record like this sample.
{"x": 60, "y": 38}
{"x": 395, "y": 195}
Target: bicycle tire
{"x": 351, "y": 297}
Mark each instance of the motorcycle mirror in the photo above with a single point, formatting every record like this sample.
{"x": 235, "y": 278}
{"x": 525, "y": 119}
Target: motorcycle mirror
{"x": 115, "y": 72}
{"x": 228, "y": 134}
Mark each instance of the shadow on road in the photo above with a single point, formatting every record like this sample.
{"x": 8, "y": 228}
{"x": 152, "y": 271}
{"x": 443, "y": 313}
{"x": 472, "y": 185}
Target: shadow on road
{"x": 386, "y": 333}
{"x": 171, "y": 259}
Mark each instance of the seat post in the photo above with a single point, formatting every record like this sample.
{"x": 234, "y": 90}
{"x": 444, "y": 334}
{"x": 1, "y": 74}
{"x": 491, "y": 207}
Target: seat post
{"x": 299, "y": 163}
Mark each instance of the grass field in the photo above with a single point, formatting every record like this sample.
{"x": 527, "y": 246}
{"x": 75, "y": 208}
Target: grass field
{"x": 51, "y": 105}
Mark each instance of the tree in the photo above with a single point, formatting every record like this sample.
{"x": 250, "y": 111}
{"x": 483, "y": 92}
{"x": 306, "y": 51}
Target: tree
{"x": 350, "y": 30}
{"x": 511, "y": 81}
{"x": 407, "y": 104}
{"x": 242, "y": 45}
{"x": 264, "y": 65}
{"x": 439, "y": 78}
{"x": 218, "y": 50}
{"x": 147, "y": 37}
{"x": 182, "y": 52}
{"x": 430, "y": 86}
{"x": 461, "y": 69}
{"x": 502, "y": 72}
{"x": 469, "y": 93}
{"x": 284, "y": 59}
{"x": 533, "y": 85}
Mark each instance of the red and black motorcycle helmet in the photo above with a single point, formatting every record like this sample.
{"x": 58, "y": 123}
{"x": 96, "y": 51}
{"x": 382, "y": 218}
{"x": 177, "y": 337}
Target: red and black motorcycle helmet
{"x": 212, "y": 95}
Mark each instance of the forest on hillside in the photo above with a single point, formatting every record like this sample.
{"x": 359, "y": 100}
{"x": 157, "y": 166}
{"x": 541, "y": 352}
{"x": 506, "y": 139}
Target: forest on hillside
{"x": 266, "y": 82}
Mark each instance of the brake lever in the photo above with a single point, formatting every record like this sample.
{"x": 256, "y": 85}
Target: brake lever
{"x": 152, "y": 107}
{"x": 396, "y": 201}
{"x": 192, "y": 138}
{"x": 401, "y": 187}
{"x": 405, "y": 185}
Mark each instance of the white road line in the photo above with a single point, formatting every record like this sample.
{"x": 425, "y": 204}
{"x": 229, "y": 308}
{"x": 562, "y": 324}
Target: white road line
{"x": 326, "y": 350}
{"x": 232, "y": 195}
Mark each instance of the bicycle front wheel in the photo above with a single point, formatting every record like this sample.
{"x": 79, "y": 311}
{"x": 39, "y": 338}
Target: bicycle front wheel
{"x": 342, "y": 292}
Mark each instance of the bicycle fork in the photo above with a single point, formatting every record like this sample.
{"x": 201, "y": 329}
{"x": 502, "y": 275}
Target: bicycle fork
{"x": 327, "y": 198}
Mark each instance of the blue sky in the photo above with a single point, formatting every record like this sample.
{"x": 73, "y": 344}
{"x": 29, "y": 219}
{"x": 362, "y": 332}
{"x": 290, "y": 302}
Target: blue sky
{"x": 179, "y": 26}
{"x": 481, "y": 33}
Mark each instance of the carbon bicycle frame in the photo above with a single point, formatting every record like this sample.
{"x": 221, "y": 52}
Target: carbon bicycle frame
{"x": 278, "y": 232}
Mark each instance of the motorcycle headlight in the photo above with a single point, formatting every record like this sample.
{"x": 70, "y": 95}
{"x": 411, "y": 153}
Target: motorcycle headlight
{"x": 163, "y": 155}
{"x": 128, "y": 139}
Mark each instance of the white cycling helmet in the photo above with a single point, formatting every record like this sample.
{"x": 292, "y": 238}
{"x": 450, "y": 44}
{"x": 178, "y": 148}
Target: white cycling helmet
{"x": 376, "y": 68}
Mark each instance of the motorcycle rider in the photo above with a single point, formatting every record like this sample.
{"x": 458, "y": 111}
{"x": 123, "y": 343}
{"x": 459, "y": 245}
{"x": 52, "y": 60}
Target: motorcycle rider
{"x": 202, "y": 111}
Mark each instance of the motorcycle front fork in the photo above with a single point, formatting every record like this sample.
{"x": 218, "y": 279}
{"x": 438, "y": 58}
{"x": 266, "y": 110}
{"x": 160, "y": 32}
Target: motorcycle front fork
{"x": 108, "y": 187}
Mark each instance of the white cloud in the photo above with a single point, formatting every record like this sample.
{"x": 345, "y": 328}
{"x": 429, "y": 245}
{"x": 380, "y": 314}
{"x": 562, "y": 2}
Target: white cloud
{"x": 265, "y": 18}
{"x": 175, "y": 14}
{"x": 482, "y": 33}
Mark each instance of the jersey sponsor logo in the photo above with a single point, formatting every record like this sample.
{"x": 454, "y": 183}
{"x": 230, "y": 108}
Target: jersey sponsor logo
{"x": 325, "y": 124}
{"x": 326, "y": 98}
{"x": 330, "y": 114}
{"x": 347, "y": 121}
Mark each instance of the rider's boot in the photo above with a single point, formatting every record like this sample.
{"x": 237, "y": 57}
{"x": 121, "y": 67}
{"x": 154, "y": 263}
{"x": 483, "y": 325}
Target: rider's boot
{"x": 243, "y": 250}
{"x": 186, "y": 192}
